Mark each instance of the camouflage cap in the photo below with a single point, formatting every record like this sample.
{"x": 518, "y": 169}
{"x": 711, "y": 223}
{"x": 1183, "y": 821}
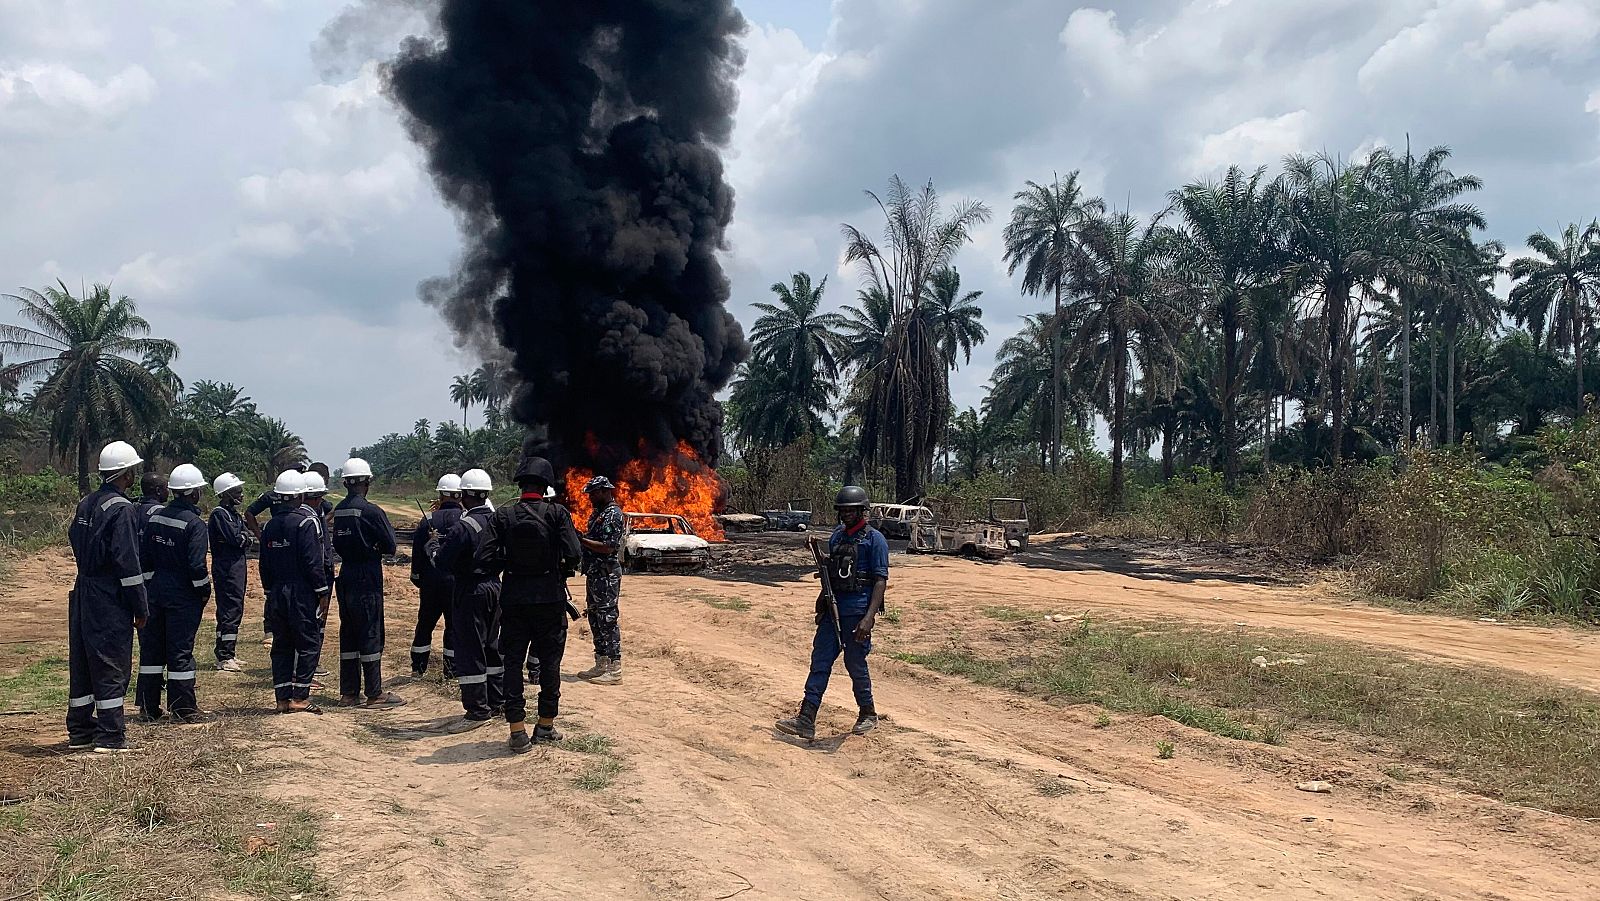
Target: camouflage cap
{"x": 599, "y": 483}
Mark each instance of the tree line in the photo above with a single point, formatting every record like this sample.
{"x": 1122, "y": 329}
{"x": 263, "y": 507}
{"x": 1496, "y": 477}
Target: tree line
{"x": 1305, "y": 316}
{"x": 84, "y": 370}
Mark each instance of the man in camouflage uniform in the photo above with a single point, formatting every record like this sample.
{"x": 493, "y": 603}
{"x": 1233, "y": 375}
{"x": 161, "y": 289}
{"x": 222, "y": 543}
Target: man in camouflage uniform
{"x": 603, "y": 572}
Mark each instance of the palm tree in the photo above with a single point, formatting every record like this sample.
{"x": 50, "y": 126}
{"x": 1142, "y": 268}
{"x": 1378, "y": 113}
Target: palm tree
{"x": 1423, "y": 226}
{"x": 796, "y": 345}
{"x": 1229, "y": 251}
{"x": 908, "y": 395}
{"x": 765, "y": 411}
{"x": 1023, "y": 367}
{"x": 466, "y": 390}
{"x": 864, "y": 331}
{"x": 1469, "y": 303}
{"x": 1332, "y": 229}
{"x": 87, "y": 353}
{"x": 1041, "y": 238}
{"x": 1119, "y": 276}
{"x": 221, "y": 400}
{"x": 498, "y": 381}
{"x": 1560, "y": 290}
{"x": 955, "y": 318}
{"x": 277, "y": 447}
{"x": 159, "y": 364}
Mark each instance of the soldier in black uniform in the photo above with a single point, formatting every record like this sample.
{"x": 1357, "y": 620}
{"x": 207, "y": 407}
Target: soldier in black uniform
{"x": 106, "y": 603}
{"x": 434, "y": 585}
{"x": 472, "y": 558}
{"x": 175, "y": 552}
{"x": 297, "y": 590}
{"x": 229, "y": 572}
{"x": 362, "y": 537}
{"x": 541, "y": 549}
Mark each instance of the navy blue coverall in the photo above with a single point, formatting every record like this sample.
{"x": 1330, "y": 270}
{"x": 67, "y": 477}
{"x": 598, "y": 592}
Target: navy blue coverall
{"x": 229, "y": 574}
{"x": 434, "y": 586}
{"x": 470, "y": 556}
{"x": 363, "y": 537}
{"x": 293, "y": 577}
{"x": 180, "y": 584}
{"x": 320, "y": 514}
{"x": 106, "y": 598}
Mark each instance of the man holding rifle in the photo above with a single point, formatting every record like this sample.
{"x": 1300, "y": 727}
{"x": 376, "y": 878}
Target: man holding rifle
{"x": 855, "y": 572}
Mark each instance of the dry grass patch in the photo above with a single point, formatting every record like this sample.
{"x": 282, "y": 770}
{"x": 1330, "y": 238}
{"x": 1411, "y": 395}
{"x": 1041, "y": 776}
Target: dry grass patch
{"x": 1518, "y": 739}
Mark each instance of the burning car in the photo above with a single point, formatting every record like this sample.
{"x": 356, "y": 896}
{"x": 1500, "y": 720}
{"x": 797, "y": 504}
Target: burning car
{"x": 662, "y": 540}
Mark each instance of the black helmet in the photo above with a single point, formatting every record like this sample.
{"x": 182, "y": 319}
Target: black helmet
{"x": 536, "y": 468}
{"x": 850, "y": 496}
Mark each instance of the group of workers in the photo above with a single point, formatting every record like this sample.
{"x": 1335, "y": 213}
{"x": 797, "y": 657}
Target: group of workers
{"x": 498, "y": 579}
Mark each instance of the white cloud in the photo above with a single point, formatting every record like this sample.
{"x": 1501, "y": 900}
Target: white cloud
{"x": 151, "y": 277}
{"x": 36, "y": 96}
{"x": 274, "y": 240}
{"x": 1563, "y": 28}
{"x": 1254, "y": 142}
{"x": 327, "y": 113}
{"x": 332, "y": 201}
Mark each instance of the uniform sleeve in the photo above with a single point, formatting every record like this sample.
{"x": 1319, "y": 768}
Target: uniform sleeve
{"x": 308, "y": 550}
{"x": 567, "y": 539}
{"x": 880, "y": 555}
{"x": 419, "y": 543}
{"x": 122, "y": 558}
{"x": 199, "y": 575}
{"x": 227, "y": 530}
{"x": 260, "y": 504}
{"x": 455, "y": 544}
{"x": 383, "y": 540}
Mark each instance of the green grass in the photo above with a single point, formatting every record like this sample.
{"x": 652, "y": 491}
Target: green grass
{"x": 41, "y": 685}
{"x": 1007, "y": 614}
{"x": 1519, "y": 739}
{"x": 1164, "y": 750}
{"x": 719, "y": 601}
{"x": 599, "y": 775}
{"x": 590, "y": 743}
{"x": 281, "y": 871}
{"x": 891, "y": 616}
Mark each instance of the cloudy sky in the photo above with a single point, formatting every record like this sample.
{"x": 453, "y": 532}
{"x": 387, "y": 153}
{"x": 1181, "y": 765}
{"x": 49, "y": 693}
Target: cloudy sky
{"x": 249, "y": 184}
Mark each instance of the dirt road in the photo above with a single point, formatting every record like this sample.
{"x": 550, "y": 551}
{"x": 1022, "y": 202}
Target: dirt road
{"x": 965, "y": 792}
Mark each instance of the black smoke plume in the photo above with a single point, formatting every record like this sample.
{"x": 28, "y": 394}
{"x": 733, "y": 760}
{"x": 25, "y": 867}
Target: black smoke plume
{"x": 577, "y": 141}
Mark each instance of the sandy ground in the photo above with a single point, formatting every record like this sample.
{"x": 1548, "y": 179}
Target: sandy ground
{"x": 965, "y": 792}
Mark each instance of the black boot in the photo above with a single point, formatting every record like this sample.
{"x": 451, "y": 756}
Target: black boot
{"x": 866, "y": 722}
{"x": 803, "y": 724}
{"x": 543, "y": 734}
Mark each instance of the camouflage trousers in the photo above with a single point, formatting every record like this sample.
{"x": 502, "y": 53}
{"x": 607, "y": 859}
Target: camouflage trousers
{"x": 604, "y": 594}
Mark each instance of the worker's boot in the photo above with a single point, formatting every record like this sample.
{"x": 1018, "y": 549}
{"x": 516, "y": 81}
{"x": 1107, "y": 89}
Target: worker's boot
{"x": 613, "y": 673}
{"x": 866, "y": 721}
{"x": 802, "y": 724}
{"x": 520, "y": 742}
{"x": 601, "y": 666}
{"x": 545, "y": 733}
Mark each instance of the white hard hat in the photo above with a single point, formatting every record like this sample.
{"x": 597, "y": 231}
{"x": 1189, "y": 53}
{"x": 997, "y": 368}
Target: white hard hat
{"x": 314, "y": 482}
{"x": 356, "y": 468}
{"x": 549, "y": 491}
{"x": 476, "y": 480}
{"x": 450, "y": 483}
{"x": 117, "y": 456}
{"x": 289, "y": 484}
{"x": 226, "y": 482}
{"x": 186, "y": 477}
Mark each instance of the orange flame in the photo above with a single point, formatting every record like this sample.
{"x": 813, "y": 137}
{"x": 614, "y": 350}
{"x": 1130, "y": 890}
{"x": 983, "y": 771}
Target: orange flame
{"x": 677, "y": 483}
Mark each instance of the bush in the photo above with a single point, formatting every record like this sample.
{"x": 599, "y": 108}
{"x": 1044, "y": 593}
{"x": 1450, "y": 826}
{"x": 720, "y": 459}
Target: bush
{"x": 45, "y": 488}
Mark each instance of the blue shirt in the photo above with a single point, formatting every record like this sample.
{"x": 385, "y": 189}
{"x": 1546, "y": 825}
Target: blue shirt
{"x": 872, "y": 556}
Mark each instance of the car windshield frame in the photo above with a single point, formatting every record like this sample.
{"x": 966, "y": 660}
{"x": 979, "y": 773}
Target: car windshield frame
{"x": 676, "y": 524}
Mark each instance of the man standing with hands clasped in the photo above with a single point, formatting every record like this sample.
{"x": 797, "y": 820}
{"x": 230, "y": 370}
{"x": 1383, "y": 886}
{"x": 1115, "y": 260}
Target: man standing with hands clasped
{"x": 858, "y": 566}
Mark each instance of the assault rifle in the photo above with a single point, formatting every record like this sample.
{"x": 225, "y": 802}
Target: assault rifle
{"x": 819, "y": 550}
